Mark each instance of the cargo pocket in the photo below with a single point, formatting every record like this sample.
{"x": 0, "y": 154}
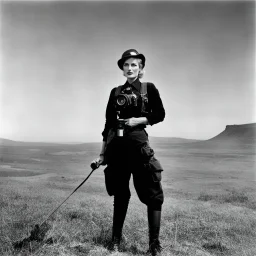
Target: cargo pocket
{"x": 151, "y": 165}
{"x": 156, "y": 169}
{"x": 146, "y": 152}
{"x": 157, "y": 176}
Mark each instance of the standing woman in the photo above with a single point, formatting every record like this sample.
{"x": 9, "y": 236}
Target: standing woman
{"x": 126, "y": 150}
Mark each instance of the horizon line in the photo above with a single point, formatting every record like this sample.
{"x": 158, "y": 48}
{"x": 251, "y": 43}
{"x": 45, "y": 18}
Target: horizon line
{"x": 84, "y": 142}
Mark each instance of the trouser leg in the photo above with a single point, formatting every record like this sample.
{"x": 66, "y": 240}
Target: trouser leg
{"x": 120, "y": 210}
{"x": 149, "y": 190}
{"x": 122, "y": 196}
{"x": 154, "y": 224}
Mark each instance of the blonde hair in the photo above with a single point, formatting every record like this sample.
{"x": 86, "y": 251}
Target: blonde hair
{"x": 142, "y": 71}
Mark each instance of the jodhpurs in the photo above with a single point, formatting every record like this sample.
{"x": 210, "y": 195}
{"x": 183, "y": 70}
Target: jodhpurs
{"x": 126, "y": 160}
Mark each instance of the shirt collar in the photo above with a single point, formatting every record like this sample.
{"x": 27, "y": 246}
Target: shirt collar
{"x": 136, "y": 84}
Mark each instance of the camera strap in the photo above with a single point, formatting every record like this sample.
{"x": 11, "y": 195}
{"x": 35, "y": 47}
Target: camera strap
{"x": 118, "y": 90}
{"x": 144, "y": 97}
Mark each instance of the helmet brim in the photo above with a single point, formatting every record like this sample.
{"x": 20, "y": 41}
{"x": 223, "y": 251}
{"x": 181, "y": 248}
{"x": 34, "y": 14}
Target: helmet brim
{"x": 120, "y": 62}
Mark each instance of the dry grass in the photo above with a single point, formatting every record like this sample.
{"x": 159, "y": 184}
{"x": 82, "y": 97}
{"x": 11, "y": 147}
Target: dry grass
{"x": 212, "y": 225}
{"x": 209, "y": 207}
{"x": 236, "y": 197}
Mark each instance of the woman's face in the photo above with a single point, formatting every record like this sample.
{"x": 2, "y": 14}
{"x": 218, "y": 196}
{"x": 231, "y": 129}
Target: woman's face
{"x": 131, "y": 68}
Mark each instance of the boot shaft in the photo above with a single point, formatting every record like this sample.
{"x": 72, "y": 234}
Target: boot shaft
{"x": 120, "y": 210}
{"x": 154, "y": 222}
{"x": 154, "y": 218}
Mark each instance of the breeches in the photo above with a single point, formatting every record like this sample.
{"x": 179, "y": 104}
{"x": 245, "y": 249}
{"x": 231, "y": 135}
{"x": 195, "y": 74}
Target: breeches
{"x": 147, "y": 185}
{"x": 128, "y": 156}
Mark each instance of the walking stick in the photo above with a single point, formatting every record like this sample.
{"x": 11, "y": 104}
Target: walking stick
{"x": 35, "y": 232}
{"x": 94, "y": 166}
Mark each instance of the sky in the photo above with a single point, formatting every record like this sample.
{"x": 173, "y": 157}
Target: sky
{"x": 59, "y": 64}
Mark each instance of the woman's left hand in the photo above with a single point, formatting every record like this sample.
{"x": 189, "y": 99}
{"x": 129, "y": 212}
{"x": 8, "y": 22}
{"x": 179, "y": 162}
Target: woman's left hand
{"x": 133, "y": 121}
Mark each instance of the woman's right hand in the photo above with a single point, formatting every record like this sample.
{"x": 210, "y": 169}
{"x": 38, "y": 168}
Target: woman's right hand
{"x": 101, "y": 159}
{"x": 98, "y": 161}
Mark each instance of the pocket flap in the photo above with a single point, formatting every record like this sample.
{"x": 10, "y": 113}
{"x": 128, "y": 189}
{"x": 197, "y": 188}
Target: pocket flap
{"x": 147, "y": 152}
{"x": 155, "y": 165}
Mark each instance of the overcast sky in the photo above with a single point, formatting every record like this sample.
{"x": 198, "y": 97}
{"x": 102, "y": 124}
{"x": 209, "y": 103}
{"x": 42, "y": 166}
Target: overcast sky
{"x": 59, "y": 64}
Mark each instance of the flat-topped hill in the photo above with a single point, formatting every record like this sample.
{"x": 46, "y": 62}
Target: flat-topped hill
{"x": 238, "y": 133}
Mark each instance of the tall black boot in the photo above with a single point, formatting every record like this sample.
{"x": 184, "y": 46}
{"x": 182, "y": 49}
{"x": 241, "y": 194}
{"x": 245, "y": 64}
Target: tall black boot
{"x": 120, "y": 210}
{"x": 154, "y": 223}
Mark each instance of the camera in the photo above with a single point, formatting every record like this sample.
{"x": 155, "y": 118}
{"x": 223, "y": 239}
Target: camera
{"x": 126, "y": 99}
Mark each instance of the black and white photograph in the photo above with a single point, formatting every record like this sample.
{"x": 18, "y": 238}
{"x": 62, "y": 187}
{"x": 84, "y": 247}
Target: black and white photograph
{"x": 127, "y": 128}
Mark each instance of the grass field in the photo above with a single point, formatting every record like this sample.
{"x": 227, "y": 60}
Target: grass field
{"x": 209, "y": 208}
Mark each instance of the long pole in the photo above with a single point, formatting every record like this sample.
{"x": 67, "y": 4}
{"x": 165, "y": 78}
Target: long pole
{"x": 94, "y": 166}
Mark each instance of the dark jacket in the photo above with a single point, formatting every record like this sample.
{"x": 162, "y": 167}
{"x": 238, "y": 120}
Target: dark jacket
{"x": 155, "y": 109}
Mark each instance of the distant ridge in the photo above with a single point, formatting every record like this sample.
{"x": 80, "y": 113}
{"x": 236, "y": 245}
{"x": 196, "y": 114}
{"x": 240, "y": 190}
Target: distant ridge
{"x": 168, "y": 140}
{"x": 243, "y": 133}
{"x": 172, "y": 140}
{"x": 7, "y": 142}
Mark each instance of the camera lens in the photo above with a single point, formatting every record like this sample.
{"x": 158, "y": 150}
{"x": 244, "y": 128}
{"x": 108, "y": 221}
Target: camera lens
{"x": 121, "y": 100}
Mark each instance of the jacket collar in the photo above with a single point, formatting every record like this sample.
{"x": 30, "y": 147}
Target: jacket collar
{"x": 136, "y": 84}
